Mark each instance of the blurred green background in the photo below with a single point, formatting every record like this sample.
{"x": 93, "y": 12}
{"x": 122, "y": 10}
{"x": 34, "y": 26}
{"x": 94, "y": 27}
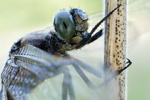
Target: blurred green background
{"x": 19, "y": 17}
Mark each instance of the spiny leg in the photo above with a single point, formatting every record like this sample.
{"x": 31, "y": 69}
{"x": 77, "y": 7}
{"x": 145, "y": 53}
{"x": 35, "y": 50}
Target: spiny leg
{"x": 87, "y": 81}
{"x": 128, "y": 64}
{"x": 96, "y": 36}
{"x": 118, "y": 72}
{"x": 76, "y": 62}
{"x": 84, "y": 77}
{"x": 87, "y": 37}
{"x": 64, "y": 90}
{"x": 92, "y": 70}
{"x": 67, "y": 86}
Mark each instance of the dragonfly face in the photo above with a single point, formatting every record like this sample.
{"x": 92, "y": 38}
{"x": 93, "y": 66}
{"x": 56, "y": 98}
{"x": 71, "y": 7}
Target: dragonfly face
{"x": 71, "y": 25}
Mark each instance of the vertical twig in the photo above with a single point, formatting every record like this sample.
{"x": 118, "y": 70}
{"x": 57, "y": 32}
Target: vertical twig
{"x": 115, "y": 49}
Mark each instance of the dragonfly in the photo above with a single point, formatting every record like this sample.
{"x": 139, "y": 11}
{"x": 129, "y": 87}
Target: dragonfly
{"x": 43, "y": 54}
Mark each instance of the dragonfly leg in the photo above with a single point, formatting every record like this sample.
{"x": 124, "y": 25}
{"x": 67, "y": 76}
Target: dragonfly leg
{"x": 128, "y": 64}
{"x": 77, "y": 64}
{"x": 88, "y": 68}
{"x": 64, "y": 90}
{"x": 118, "y": 72}
{"x": 67, "y": 85}
{"x": 84, "y": 77}
{"x": 98, "y": 74}
{"x": 96, "y": 36}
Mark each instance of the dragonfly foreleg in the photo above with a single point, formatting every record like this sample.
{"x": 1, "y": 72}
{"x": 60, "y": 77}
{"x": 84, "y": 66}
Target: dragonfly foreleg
{"x": 96, "y": 36}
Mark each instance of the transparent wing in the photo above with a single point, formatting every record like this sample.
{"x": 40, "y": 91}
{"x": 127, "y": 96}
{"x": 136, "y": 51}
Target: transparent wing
{"x": 26, "y": 69}
{"x": 39, "y": 59}
{"x": 18, "y": 80}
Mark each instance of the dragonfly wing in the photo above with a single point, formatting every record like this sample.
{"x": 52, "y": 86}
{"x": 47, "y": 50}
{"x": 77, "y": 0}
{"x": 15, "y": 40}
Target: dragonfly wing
{"x": 27, "y": 67}
{"x": 18, "y": 80}
{"x": 42, "y": 62}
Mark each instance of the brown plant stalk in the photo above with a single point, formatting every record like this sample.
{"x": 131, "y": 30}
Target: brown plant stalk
{"x": 115, "y": 49}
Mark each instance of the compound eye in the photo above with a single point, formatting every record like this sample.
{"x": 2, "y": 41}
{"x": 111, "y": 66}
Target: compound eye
{"x": 64, "y": 25}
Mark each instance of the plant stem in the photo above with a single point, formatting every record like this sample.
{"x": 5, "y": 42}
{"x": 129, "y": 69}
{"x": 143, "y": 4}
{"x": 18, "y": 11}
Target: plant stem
{"x": 115, "y": 49}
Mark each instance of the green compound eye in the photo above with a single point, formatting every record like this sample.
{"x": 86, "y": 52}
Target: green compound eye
{"x": 64, "y": 25}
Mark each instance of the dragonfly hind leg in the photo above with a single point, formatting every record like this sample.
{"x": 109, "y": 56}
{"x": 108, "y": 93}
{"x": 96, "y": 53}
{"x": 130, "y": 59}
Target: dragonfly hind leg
{"x": 118, "y": 72}
{"x": 128, "y": 64}
{"x": 67, "y": 86}
{"x": 77, "y": 64}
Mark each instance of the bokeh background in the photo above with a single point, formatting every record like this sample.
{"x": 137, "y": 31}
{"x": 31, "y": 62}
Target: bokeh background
{"x": 19, "y": 17}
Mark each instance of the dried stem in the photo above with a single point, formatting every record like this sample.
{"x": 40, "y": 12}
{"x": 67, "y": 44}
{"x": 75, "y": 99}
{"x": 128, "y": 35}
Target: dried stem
{"x": 115, "y": 49}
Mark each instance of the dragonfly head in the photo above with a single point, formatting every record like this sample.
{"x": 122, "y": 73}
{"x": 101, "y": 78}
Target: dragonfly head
{"x": 71, "y": 25}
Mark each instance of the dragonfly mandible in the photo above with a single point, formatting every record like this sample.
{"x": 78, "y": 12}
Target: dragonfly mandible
{"x": 43, "y": 54}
